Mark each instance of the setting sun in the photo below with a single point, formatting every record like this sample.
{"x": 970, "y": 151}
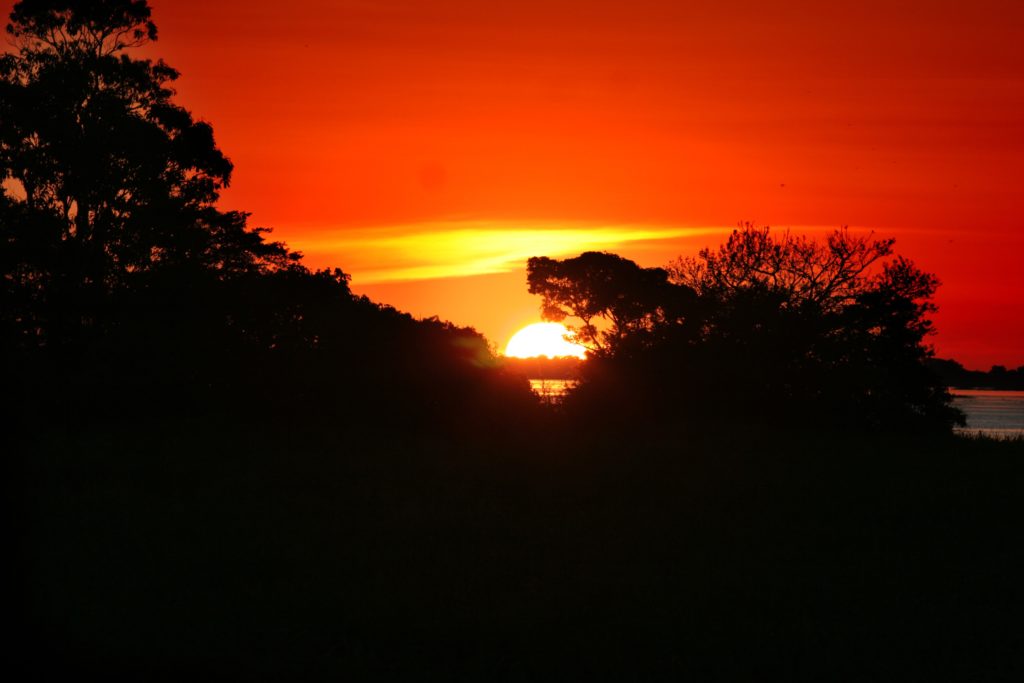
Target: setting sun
{"x": 543, "y": 339}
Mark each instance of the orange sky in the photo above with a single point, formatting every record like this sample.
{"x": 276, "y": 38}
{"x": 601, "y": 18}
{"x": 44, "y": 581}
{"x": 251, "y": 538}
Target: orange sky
{"x": 429, "y": 146}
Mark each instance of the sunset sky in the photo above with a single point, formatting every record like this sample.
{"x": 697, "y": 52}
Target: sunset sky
{"x": 428, "y": 147}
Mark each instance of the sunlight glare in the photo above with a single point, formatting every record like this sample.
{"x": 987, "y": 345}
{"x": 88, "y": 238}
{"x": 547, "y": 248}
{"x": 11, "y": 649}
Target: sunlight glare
{"x": 542, "y": 339}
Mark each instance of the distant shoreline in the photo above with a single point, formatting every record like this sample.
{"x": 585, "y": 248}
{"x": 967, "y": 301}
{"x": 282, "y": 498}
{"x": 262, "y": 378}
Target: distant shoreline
{"x": 999, "y": 378}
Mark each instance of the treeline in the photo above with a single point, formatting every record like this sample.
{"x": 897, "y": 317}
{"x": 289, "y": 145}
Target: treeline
{"x": 542, "y": 367}
{"x": 999, "y": 377}
{"x": 290, "y": 346}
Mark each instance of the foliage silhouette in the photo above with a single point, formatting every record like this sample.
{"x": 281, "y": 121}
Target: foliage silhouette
{"x": 796, "y": 269}
{"x": 998, "y": 377}
{"x": 767, "y": 330}
{"x": 114, "y": 179}
{"x": 607, "y": 291}
{"x": 847, "y": 327}
{"x": 129, "y": 289}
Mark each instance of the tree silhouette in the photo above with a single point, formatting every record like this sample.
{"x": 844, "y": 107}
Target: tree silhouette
{"x": 773, "y": 330}
{"x": 616, "y": 301}
{"x": 848, "y": 327}
{"x": 105, "y": 177}
{"x": 796, "y": 269}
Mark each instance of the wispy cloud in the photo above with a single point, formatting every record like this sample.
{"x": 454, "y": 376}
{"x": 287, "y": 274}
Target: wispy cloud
{"x": 425, "y": 251}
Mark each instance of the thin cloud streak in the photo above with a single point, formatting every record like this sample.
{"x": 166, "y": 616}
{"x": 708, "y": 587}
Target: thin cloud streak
{"x": 433, "y": 250}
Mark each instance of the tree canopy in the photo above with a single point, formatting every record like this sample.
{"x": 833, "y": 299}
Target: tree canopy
{"x": 104, "y": 176}
{"x": 615, "y": 301}
{"x": 77, "y": 26}
{"x": 797, "y": 269}
{"x": 767, "y": 328}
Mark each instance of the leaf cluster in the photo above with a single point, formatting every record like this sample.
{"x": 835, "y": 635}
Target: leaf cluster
{"x": 797, "y": 269}
{"x": 70, "y": 27}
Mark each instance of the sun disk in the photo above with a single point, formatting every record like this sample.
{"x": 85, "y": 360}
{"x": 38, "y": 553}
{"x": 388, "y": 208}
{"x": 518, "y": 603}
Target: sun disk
{"x": 543, "y": 339}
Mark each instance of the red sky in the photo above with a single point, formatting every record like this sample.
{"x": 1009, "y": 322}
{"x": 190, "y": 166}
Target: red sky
{"x": 428, "y": 146}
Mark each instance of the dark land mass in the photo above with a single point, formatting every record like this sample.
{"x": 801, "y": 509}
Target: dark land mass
{"x": 307, "y": 550}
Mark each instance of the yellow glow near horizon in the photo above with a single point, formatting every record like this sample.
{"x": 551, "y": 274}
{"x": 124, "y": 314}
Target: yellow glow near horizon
{"x": 543, "y": 339}
{"x": 460, "y": 248}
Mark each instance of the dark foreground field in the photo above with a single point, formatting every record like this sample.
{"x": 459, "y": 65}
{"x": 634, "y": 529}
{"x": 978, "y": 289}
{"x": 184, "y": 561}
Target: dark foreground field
{"x": 195, "y": 552}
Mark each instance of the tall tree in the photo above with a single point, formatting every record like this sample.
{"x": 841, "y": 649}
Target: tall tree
{"x": 102, "y": 172}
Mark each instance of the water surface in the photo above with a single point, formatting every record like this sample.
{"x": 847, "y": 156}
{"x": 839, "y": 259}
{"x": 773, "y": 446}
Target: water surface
{"x": 991, "y": 412}
{"x": 552, "y": 390}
